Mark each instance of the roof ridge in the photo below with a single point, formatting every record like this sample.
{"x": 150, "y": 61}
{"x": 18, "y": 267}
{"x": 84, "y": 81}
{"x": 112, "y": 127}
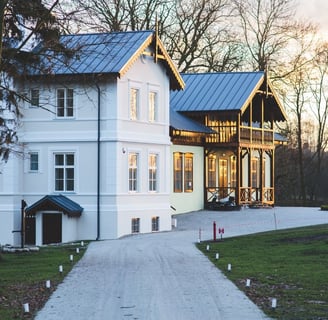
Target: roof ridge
{"x": 104, "y": 33}
{"x": 222, "y": 72}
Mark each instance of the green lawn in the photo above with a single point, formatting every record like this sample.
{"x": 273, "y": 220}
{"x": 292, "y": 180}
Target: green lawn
{"x": 23, "y": 278}
{"x": 289, "y": 265}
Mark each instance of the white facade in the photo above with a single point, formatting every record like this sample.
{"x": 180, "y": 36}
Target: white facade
{"x": 125, "y": 206}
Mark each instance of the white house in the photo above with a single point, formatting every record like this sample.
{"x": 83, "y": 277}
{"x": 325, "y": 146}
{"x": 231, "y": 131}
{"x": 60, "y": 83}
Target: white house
{"x": 113, "y": 145}
{"x": 96, "y": 143}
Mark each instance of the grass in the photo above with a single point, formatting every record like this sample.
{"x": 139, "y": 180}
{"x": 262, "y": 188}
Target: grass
{"x": 23, "y": 278}
{"x": 289, "y": 265}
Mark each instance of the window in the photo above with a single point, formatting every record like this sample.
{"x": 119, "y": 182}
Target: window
{"x": 183, "y": 172}
{"x": 134, "y": 103}
{"x": 152, "y": 101}
{"x": 155, "y": 224}
{"x": 65, "y": 103}
{"x": 233, "y": 176}
{"x": 177, "y": 171}
{"x": 212, "y": 171}
{"x": 35, "y": 97}
{"x": 188, "y": 172}
{"x": 133, "y": 172}
{"x": 254, "y": 172}
{"x": 34, "y": 161}
{"x": 64, "y": 172}
{"x": 152, "y": 169}
{"x": 135, "y": 225}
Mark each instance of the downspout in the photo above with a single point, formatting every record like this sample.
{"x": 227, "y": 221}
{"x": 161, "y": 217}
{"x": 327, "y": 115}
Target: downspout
{"x": 98, "y": 164}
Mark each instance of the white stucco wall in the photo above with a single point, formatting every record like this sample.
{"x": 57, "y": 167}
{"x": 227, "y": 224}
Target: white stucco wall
{"x": 45, "y": 134}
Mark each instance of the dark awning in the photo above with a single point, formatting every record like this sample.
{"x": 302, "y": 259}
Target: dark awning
{"x": 55, "y": 202}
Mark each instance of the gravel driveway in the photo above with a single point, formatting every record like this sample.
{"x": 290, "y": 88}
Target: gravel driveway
{"x": 163, "y": 276}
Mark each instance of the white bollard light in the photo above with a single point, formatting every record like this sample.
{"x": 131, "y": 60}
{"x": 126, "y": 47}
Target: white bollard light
{"x": 208, "y": 247}
{"x": 77, "y": 250}
{"x": 217, "y": 256}
{"x": 274, "y": 303}
{"x": 26, "y": 308}
{"x": 61, "y": 269}
{"x": 229, "y": 267}
{"x": 248, "y": 282}
{"x": 82, "y": 243}
{"x": 71, "y": 258}
{"x": 48, "y": 284}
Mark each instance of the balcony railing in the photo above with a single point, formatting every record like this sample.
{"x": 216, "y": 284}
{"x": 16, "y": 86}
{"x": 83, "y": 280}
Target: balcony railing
{"x": 250, "y": 195}
{"x": 228, "y": 134}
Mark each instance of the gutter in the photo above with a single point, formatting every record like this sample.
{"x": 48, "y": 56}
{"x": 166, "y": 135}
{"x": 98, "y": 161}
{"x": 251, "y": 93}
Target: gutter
{"x": 98, "y": 163}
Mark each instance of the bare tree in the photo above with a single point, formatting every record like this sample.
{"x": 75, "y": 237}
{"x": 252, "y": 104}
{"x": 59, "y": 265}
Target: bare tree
{"x": 266, "y": 26}
{"x": 122, "y": 15}
{"x": 319, "y": 106}
{"x": 294, "y": 85}
{"x": 23, "y": 24}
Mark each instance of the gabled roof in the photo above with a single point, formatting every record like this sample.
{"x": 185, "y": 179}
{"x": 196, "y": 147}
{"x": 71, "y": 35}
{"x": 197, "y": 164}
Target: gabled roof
{"x": 55, "y": 202}
{"x": 181, "y": 122}
{"x": 105, "y": 53}
{"x": 226, "y": 91}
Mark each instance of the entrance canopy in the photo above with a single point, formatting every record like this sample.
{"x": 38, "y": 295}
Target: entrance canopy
{"x": 55, "y": 202}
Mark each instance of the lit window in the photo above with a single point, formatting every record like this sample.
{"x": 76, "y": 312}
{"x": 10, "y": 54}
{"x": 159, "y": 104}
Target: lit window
{"x": 134, "y": 103}
{"x": 135, "y": 225}
{"x": 133, "y": 172}
{"x": 212, "y": 171}
{"x": 65, "y": 103}
{"x": 255, "y": 173}
{"x": 64, "y": 172}
{"x": 152, "y": 169}
{"x": 177, "y": 158}
{"x": 188, "y": 172}
{"x": 233, "y": 172}
{"x": 34, "y": 161}
{"x": 152, "y": 106}
{"x": 155, "y": 224}
{"x": 35, "y": 97}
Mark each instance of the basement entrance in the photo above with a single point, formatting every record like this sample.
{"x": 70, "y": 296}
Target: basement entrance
{"x": 51, "y": 228}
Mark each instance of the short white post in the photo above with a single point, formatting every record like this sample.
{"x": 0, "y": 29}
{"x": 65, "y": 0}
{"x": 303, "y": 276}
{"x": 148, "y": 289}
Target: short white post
{"x": 274, "y": 303}
{"x": 248, "y": 282}
{"x": 77, "y": 250}
{"x": 26, "y": 308}
{"x": 217, "y": 256}
{"x": 61, "y": 269}
{"x": 229, "y": 267}
{"x": 82, "y": 243}
{"x": 71, "y": 258}
{"x": 208, "y": 247}
{"x": 48, "y": 284}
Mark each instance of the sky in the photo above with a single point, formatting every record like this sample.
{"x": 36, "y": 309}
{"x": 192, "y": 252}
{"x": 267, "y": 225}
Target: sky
{"x": 316, "y": 11}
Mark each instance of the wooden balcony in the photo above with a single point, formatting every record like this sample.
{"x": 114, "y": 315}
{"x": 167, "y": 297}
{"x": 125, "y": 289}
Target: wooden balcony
{"x": 249, "y": 135}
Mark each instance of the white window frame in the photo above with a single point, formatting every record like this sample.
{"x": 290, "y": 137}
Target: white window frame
{"x": 133, "y": 171}
{"x": 66, "y": 169}
{"x": 67, "y": 106}
{"x": 134, "y": 103}
{"x": 35, "y": 97}
{"x": 31, "y": 161}
{"x": 135, "y": 225}
{"x": 155, "y": 224}
{"x": 153, "y": 172}
{"x": 153, "y": 106}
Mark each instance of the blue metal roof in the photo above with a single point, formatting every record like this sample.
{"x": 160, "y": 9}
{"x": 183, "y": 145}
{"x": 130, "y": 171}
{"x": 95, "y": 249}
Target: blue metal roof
{"x": 180, "y": 122}
{"x": 215, "y": 91}
{"x": 95, "y": 53}
{"x": 55, "y": 202}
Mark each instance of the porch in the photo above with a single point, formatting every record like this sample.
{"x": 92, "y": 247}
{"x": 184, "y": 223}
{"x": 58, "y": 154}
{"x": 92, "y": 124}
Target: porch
{"x": 226, "y": 196}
